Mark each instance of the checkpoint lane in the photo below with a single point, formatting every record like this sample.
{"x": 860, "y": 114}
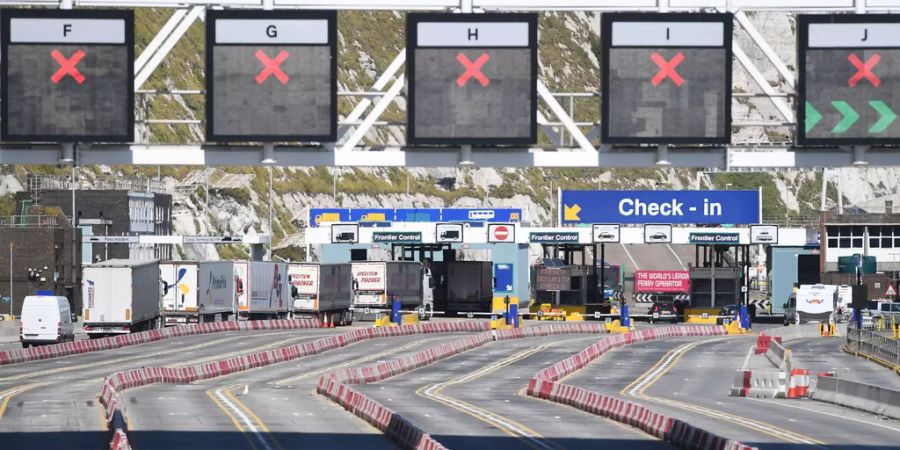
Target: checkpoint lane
{"x": 64, "y": 400}
{"x": 825, "y": 354}
{"x": 696, "y": 388}
{"x": 278, "y": 401}
{"x": 484, "y": 407}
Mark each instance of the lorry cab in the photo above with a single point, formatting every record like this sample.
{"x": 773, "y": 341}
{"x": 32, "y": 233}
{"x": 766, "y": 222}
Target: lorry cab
{"x": 46, "y": 319}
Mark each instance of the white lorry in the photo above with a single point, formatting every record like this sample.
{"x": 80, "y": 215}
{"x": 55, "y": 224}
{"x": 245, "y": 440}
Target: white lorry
{"x": 812, "y": 303}
{"x": 120, "y": 296}
{"x": 196, "y": 291}
{"x": 377, "y": 284}
{"x": 261, "y": 290}
{"x": 322, "y": 291}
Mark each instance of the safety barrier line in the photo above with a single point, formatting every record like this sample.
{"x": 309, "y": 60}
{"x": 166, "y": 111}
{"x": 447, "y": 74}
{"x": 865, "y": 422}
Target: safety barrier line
{"x": 115, "y": 383}
{"x": 143, "y": 337}
{"x": 546, "y": 385}
{"x": 336, "y": 385}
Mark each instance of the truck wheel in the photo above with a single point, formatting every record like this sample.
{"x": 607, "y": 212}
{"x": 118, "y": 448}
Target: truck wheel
{"x": 25, "y": 345}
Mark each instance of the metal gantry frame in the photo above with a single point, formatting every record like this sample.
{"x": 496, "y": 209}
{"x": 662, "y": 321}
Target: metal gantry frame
{"x": 350, "y": 149}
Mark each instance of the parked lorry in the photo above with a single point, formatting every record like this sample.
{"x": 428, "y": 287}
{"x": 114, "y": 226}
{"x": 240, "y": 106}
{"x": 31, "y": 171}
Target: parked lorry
{"x": 322, "y": 291}
{"x": 261, "y": 290}
{"x": 196, "y": 291}
{"x": 811, "y": 303}
{"x": 120, "y": 296}
{"x": 377, "y": 283}
{"x": 466, "y": 286}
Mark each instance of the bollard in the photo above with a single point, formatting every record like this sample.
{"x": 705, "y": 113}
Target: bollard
{"x": 514, "y": 315}
{"x": 626, "y": 322}
{"x": 744, "y": 317}
{"x": 395, "y": 312}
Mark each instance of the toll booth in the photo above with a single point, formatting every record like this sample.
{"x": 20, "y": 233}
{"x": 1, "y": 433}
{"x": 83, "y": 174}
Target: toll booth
{"x": 569, "y": 278}
{"x": 718, "y": 275}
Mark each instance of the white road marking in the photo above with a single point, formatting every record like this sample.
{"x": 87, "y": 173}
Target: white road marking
{"x": 838, "y": 416}
{"x": 636, "y": 267}
{"x": 747, "y": 359}
{"x": 680, "y": 263}
{"x": 249, "y": 423}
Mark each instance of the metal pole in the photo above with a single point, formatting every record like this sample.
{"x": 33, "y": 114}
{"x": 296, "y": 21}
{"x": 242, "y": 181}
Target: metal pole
{"x": 602, "y": 272}
{"x": 11, "y": 296}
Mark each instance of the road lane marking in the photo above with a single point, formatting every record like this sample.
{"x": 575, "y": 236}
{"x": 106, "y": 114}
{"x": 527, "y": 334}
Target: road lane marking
{"x": 508, "y": 426}
{"x": 214, "y": 396}
{"x": 842, "y": 417}
{"x": 667, "y": 362}
{"x": 7, "y": 395}
{"x": 636, "y": 267}
{"x": 350, "y": 363}
{"x": 747, "y": 359}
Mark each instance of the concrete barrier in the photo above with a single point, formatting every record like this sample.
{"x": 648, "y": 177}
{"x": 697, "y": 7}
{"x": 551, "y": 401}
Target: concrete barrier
{"x": 852, "y": 394}
{"x": 759, "y": 384}
{"x": 777, "y": 354}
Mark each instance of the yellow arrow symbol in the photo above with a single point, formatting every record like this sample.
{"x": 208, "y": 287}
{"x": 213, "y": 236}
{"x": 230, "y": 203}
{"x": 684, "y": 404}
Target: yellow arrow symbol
{"x": 570, "y": 213}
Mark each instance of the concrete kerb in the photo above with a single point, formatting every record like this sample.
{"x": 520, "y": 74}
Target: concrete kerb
{"x": 545, "y": 385}
{"x": 336, "y": 385}
{"x": 143, "y": 337}
{"x": 852, "y": 394}
{"x": 115, "y": 383}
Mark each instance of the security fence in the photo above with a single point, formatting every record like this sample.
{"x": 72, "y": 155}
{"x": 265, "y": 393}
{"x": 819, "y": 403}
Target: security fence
{"x": 880, "y": 342}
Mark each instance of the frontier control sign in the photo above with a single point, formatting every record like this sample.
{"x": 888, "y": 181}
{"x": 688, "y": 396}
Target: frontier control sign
{"x": 676, "y": 207}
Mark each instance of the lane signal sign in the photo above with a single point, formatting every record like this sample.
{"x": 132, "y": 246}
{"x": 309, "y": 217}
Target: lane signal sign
{"x": 667, "y": 69}
{"x": 67, "y": 66}
{"x": 473, "y": 69}
{"x": 271, "y": 67}
{"x": 864, "y": 70}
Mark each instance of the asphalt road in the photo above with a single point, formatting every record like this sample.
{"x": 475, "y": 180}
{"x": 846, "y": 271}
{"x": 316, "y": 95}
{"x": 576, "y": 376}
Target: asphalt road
{"x": 825, "y": 354}
{"x": 476, "y": 400}
{"x": 693, "y": 382}
{"x": 472, "y": 400}
{"x": 45, "y": 403}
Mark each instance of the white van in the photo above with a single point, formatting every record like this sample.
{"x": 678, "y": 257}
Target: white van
{"x": 46, "y": 319}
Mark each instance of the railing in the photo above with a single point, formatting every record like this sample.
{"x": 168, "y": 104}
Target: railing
{"x": 30, "y": 221}
{"x": 878, "y": 342}
{"x": 39, "y": 182}
{"x": 799, "y": 220}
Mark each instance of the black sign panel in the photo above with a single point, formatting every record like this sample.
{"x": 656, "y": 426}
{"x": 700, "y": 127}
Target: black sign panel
{"x": 67, "y": 76}
{"x": 666, "y": 78}
{"x": 472, "y": 79}
{"x": 271, "y": 76}
{"x": 849, "y": 87}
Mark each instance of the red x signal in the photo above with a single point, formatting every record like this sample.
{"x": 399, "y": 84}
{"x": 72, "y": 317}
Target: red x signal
{"x": 473, "y": 69}
{"x": 667, "y": 69}
{"x": 67, "y": 66}
{"x": 271, "y": 67}
{"x": 864, "y": 70}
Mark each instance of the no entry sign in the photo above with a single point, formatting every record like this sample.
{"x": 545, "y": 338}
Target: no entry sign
{"x": 67, "y": 75}
{"x": 271, "y": 76}
{"x": 472, "y": 78}
{"x": 848, "y": 88}
{"x": 666, "y": 78}
{"x": 501, "y": 233}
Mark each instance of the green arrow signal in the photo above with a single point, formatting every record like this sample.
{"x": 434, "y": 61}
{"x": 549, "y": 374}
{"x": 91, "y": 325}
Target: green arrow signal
{"x": 887, "y": 116}
{"x": 812, "y": 116}
{"x": 850, "y": 116}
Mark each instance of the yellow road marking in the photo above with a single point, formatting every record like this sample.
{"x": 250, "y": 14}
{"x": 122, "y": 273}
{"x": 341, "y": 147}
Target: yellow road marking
{"x": 234, "y": 420}
{"x": 8, "y": 394}
{"x": 504, "y": 424}
{"x": 671, "y": 359}
{"x": 354, "y": 362}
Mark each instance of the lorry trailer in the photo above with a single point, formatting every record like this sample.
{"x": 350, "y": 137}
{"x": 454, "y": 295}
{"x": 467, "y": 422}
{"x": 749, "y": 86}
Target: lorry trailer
{"x": 322, "y": 291}
{"x": 376, "y": 284}
{"x": 261, "y": 290}
{"x": 120, "y": 296}
{"x": 196, "y": 291}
